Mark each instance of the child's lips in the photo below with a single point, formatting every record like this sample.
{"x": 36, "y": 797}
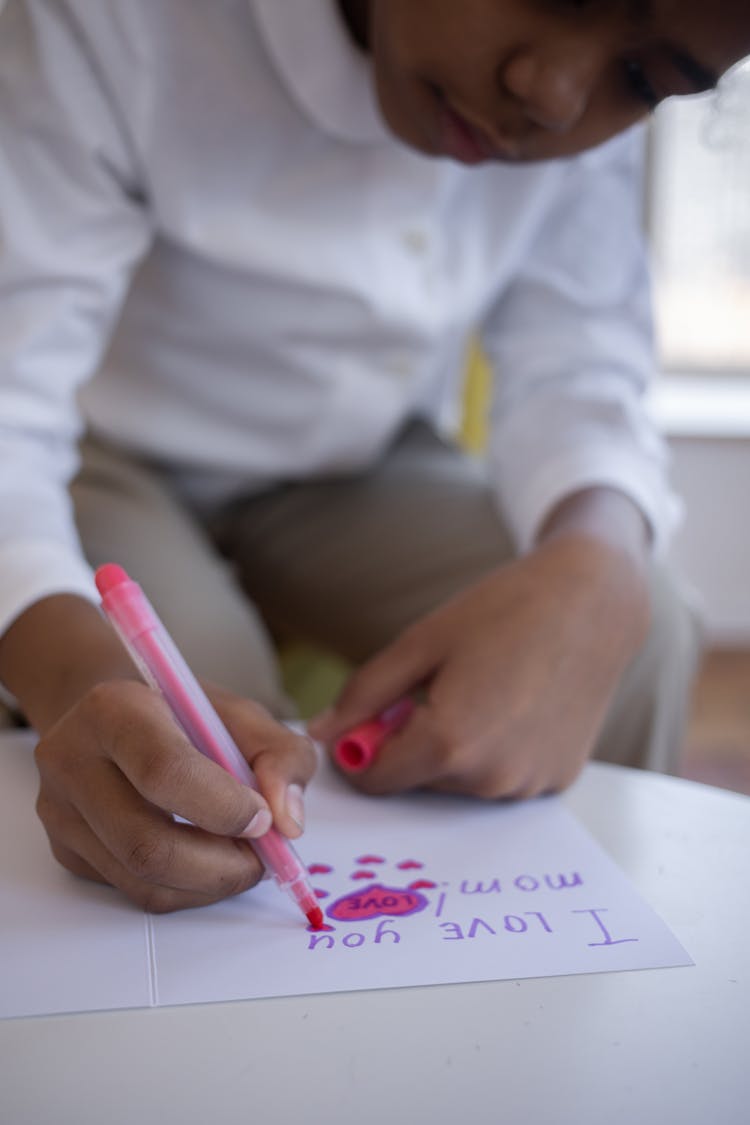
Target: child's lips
{"x": 469, "y": 143}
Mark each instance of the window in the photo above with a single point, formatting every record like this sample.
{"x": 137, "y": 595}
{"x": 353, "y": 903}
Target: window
{"x": 699, "y": 217}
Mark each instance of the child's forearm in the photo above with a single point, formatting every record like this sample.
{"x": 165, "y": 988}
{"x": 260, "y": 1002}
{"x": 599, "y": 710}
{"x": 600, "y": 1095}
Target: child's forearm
{"x": 609, "y": 532}
{"x": 54, "y": 652}
{"x": 604, "y": 514}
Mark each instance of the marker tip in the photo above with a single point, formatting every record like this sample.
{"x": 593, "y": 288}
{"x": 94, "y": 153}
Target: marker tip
{"x": 315, "y": 917}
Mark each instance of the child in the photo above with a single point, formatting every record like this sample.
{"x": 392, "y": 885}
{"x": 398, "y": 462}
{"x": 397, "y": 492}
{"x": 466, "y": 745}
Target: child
{"x": 244, "y": 246}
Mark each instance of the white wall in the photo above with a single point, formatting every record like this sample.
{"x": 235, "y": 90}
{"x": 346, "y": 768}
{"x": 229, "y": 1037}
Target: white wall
{"x": 712, "y": 549}
{"x": 708, "y": 426}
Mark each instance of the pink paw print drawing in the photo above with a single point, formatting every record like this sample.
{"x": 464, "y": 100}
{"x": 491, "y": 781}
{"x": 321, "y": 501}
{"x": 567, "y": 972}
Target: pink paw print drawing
{"x": 376, "y": 899}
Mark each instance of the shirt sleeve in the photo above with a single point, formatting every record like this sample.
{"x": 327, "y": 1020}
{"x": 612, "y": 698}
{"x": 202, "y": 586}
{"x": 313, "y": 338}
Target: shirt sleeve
{"x": 571, "y": 347}
{"x": 72, "y": 227}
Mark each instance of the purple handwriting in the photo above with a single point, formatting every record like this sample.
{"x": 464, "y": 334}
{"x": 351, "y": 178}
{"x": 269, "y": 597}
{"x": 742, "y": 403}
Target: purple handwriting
{"x": 527, "y": 922}
{"x": 393, "y": 905}
{"x": 353, "y": 940}
{"x": 512, "y": 923}
{"x": 558, "y": 882}
{"x": 608, "y": 939}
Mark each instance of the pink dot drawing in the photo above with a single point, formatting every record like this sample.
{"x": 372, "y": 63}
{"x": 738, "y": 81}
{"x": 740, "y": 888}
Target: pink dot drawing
{"x": 319, "y": 869}
{"x": 363, "y": 875}
{"x": 422, "y": 884}
{"x": 376, "y": 901}
{"x": 408, "y": 864}
{"x": 322, "y": 928}
{"x": 321, "y": 894}
{"x": 366, "y": 860}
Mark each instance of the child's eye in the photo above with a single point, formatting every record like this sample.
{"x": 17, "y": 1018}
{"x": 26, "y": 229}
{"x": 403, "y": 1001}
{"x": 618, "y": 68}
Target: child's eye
{"x": 639, "y": 84}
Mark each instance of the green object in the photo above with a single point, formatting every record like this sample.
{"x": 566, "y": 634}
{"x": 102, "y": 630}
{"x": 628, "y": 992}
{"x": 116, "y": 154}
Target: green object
{"x": 312, "y": 677}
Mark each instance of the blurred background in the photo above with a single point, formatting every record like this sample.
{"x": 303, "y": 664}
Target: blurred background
{"x": 698, "y": 215}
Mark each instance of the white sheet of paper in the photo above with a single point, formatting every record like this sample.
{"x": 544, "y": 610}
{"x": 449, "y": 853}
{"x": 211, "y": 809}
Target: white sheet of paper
{"x": 417, "y": 890}
{"x": 65, "y": 945}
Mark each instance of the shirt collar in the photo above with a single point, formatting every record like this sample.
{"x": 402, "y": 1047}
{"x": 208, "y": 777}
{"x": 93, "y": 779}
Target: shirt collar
{"x": 328, "y": 76}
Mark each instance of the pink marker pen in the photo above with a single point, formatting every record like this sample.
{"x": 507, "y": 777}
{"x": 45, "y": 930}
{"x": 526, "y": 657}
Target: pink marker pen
{"x": 160, "y": 663}
{"x": 356, "y": 749}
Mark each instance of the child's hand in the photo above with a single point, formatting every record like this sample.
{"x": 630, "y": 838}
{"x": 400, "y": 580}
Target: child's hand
{"x": 516, "y": 673}
{"x": 116, "y": 767}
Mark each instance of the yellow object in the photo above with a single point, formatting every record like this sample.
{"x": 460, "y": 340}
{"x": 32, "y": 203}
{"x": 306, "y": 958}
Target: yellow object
{"x": 477, "y": 391}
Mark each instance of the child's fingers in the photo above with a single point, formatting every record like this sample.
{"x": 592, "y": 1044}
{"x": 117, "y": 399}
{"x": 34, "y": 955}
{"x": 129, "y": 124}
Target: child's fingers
{"x": 98, "y": 865}
{"x": 118, "y": 771}
{"x": 163, "y": 766}
{"x": 159, "y": 864}
{"x": 385, "y": 678}
{"x": 424, "y": 755}
{"x": 414, "y": 758}
{"x": 76, "y": 864}
{"x": 282, "y": 772}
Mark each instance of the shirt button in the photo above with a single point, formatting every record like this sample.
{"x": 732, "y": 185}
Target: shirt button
{"x": 417, "y": 241}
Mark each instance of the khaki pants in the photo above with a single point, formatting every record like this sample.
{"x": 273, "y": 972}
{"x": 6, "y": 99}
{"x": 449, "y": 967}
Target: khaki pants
{"x": 347, "y": 563}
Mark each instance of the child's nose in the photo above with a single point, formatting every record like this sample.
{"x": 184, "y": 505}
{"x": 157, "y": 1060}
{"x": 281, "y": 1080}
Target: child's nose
{"x": 553, "y": 88}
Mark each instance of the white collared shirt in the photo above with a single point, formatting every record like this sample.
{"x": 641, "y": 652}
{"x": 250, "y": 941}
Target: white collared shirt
{"x": 214, "y": 253}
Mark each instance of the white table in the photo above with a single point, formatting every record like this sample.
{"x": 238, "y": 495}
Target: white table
{"x": 665, "y": 1046}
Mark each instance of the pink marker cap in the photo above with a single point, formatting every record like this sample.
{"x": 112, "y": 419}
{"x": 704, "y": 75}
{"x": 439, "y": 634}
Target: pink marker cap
{"x": 124, "y": 602}
{"x": 108, "y": 577}
{"x": 356, "y": 749}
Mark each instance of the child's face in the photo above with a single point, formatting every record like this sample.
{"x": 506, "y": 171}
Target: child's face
{"x": 531, "y": 79}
